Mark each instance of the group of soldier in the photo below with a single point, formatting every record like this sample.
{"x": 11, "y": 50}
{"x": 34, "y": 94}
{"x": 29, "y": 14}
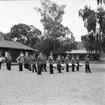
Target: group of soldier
{"x": 39, "y": 64}
{"x": 7, "y": 59}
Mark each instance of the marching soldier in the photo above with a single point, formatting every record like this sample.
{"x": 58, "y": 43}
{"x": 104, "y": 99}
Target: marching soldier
{"x": 8, "y": 61}
{"x": 87, "y": 67}
{"x": 26, "y": 61}
{"x": 59, "y": 63}
{"x": 77, "y": 61}
{"x": 67, "y": 61}
{"x": 50, "y": 60}
{"x": 34, "y": 63}
{"x": 44, "y": 63}
{"x": 73, "y": 64}
{"x": 30, "y": 62}
{"x": 40, "y": 63}
{"x": 20, "y": 60}
{"x": 63, "y": 61}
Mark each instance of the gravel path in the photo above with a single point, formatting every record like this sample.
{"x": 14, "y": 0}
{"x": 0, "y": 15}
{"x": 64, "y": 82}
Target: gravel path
{"x": 73, "y": 88}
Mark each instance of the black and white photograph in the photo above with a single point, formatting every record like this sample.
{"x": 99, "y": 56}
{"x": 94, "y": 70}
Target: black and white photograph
{"x": 52, "y": 52}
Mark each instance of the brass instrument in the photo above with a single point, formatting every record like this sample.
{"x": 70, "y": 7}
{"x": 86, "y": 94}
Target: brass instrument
{"x": 20, "y": 59}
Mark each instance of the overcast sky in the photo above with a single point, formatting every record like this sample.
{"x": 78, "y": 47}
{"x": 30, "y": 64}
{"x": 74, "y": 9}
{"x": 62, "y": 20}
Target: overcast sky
{"x": 17, "y": 11}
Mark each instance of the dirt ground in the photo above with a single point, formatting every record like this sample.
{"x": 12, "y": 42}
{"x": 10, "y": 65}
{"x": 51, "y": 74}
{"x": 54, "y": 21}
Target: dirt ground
{"x": 72, "y": 88}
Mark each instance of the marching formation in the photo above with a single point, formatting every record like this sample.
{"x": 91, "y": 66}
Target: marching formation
{"x": 39, "y": 64}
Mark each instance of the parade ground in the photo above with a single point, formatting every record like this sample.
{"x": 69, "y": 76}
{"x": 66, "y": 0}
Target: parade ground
{"x": 72, "y": 88}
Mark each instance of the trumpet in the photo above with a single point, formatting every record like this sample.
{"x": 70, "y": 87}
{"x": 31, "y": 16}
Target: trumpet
{"x": 20, "y": 59}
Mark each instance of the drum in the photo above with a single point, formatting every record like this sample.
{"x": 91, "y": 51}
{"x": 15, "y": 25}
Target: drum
{"x": 54, "y": 65}
{"x": 76, "y": 64}
{"x": 62, "y": 65}
{"x": 80, "y": 64}
{"x": 70, "y": 64}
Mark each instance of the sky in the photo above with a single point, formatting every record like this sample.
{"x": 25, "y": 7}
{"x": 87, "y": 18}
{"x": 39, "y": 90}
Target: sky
{"x": 22, "y": 11}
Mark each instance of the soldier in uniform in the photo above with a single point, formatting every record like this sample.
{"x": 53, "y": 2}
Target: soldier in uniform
{"x": 67, "y": 61}
{"x": 44, "y": 63}
{"x": 73, "y": 64}
{"x": 59, "y": 63}
{"x": 40, "y": 60}
{"x": 50, "y": 60}
{"x": 26, "y": 61}
{"x": 77, "y": 61}
{"x": 87, "y": 67}
{"x": 30, "y": 62}
{"x": 20, "y": 60}
{"x": 34, "y": 63}
{"x": 8, "y": 61}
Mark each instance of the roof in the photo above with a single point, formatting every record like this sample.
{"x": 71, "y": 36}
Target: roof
{"x": 13, "y": 45}
{"x": 77, "y": 51}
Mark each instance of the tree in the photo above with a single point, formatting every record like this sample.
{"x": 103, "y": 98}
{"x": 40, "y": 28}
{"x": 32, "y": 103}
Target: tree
{"x": 51, "y": 18}
{"x": 26, "y": 34}
{"x": 94, "y": 21}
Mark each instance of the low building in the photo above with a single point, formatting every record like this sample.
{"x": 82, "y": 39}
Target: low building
{"x": 81, "y": 51}
{"x": 15, "y": 48}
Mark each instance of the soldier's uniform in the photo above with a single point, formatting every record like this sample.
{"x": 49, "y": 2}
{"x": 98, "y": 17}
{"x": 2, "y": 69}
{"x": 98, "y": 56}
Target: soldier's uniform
{"x": 87, "y": 67}
{"x": 44, "y": 63}
{"x": 40, "y": 64}
{"x": 20, "y": 60}
{"x": 34, "y": 64}
{"x": 59, "y": 64}
{"x": 67, "y": 61}
{"x": 77, "y": 61}
{"x": 30, "y": 63}
{"x": 50, "y": 60}
{"x": 73, "y": 64}
{"x": 8, "y": 62}
{"x": 26, "y": 62}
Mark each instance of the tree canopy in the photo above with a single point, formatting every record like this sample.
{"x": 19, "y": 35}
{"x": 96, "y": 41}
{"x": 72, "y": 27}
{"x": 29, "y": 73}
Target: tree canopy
{"x": 94, "y": 21}
{"x": 51, "y": 19}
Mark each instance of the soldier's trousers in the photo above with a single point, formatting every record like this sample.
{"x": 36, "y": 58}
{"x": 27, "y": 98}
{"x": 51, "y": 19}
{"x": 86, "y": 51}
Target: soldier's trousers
{"x": 87, "y": 68}
{"x": 44, "y": 67}
{"x": 73, "y": 67}
{"x": 20, "y": 66}
{"x": 8, "y": 66}
{"x": 59, "y": 68}
{"x": 77, "y": 66}
{"x": 25, "y": 65}
{"x": 51, "y": 68}
{"x": 67, "y": 67}
{"x": 34, "y": 68}
{"x": 40, "y": 67}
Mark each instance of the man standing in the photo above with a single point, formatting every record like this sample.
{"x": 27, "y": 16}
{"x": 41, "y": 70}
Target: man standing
{"x": 77, "y": 61}
{"x": 50, "y": 59}
{"x": 59, "y": 63}
{"x": 67, "y": 61}
{"x": 45, "y": 63}
{"x": 73, "y": 64}
{"x": 8, "y": 61}
{"x": 87, "y": 67}
{"x": 20, "y": 60}
{"x": 40, "y": 63}
{"x": 34, "y": 63}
